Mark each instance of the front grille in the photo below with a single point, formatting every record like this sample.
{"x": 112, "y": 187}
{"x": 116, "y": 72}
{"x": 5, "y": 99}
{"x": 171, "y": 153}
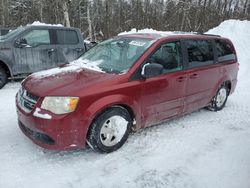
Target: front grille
{"x": 26, "y": 100}
{"x": 31, "y": 96}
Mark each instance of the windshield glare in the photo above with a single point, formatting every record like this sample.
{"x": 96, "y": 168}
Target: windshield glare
{"x": 116, "y": 55}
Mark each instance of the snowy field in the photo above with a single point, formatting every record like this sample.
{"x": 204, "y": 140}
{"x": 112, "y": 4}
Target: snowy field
{"x": 200, "y": 150}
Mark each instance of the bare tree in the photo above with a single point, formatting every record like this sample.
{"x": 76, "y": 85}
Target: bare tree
{"x": 89, "y": 22}
{"x": 41, "y": 4}
{"x": 66, "y": 12}
{"x": 109, "y": 17}
{"x": 3, "y": 12}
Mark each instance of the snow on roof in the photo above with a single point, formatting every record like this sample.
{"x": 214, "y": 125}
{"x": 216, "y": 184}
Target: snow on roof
{"x": 37, "y": 23}
{"x": 153, "y": 32}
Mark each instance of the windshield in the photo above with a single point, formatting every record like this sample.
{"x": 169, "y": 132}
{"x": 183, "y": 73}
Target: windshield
{"x": 115, "y": 55}
{"x": 11, "y": 33}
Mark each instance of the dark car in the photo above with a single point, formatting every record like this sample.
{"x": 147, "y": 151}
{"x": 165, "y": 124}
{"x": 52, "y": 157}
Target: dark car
{"x": 33, "y": 48}
{"x": 123, "y": 84}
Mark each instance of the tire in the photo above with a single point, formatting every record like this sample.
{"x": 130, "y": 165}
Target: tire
{"x": 219, "y": 100}
{"x": 110, "y": 130}
{"x": 3, "y": 77}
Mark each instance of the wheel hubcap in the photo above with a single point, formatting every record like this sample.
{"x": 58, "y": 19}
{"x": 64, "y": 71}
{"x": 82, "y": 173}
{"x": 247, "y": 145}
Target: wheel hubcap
{"x": 221, "y": 97}
{"x": 113, "y": 130}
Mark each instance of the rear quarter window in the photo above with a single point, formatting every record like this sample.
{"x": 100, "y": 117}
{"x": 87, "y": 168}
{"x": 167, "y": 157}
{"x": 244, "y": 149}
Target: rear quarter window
{"x": 225, "y": 51}
{"x": 200, "y": 52}
{"x": 66, "y": 37}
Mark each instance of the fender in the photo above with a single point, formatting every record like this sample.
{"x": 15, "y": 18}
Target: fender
{"x": 100, "y": 105}
{"x": 221, "y": 81}
{"x": 6, "y": 61}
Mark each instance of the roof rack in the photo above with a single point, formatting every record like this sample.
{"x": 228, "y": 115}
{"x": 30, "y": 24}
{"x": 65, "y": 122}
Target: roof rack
{"x": 195, "y": 33}
{"x": 183, "y": 32}
{"x": 208, "y": 34}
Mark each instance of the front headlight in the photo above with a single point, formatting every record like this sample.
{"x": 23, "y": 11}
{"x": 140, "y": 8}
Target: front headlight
{"x": 60, "y": 105}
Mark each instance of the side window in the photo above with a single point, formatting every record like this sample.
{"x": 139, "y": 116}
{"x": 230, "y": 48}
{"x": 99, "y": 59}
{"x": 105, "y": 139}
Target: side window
{"x": 67, "y": 37}
{"x": 169, "y": 56}
{"x": 200, "y": 52}
{"x": 225, "y": 51}
{"x": 37, "y": 37}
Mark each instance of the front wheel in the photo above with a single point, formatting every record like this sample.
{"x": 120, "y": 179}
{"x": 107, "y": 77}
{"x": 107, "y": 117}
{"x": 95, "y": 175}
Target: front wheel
{"x": 110, "y": 130}
{"x": 219, "y": 100}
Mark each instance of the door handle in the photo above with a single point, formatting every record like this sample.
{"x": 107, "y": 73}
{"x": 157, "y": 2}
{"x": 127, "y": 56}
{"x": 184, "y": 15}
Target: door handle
{"x": 181, "y": 79}
{"x": 193, "y": 76}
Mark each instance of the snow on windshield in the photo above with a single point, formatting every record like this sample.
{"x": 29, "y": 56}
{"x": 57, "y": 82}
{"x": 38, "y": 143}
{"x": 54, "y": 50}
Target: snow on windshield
{"x": 118, "y": 55}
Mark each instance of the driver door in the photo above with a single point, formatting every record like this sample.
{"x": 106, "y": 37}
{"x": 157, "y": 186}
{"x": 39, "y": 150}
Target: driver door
{"x": 34, "y": 52}
{"x": 163, "y": 95}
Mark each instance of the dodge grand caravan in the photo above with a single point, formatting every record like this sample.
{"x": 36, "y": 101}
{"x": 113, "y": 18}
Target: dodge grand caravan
{"x": 124, "y": 84}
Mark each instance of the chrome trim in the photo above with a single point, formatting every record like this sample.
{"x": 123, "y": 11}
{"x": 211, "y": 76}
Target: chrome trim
{"x": 25, "y": 102}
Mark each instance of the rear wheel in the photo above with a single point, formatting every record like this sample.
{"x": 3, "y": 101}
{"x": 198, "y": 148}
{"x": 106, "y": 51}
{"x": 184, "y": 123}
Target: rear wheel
{"x": 219, "y": 100}
{"x": 110, "y": 130}
{"x": 3, "y": 77}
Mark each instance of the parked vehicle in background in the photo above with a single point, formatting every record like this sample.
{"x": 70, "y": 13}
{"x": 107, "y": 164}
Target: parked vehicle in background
{"x": 33, "y": 48}
{"x": 123, "y": 84}
{"x": 4, "y": 31}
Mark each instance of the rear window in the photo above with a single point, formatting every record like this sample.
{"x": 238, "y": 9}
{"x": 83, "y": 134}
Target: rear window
{"x": 200, "y": 52}
{"x": 67, "y": 37}
{"x": 225, "y": 51}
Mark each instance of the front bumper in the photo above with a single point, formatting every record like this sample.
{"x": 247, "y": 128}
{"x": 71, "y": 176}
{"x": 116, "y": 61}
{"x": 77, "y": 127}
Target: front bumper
{"x": 61, "y": 132}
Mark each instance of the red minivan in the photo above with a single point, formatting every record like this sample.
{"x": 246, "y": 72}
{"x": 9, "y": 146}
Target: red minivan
{"x": 124, "y": 84}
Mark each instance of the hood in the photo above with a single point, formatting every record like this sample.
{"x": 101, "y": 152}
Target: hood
{"x": 66, "y": 81}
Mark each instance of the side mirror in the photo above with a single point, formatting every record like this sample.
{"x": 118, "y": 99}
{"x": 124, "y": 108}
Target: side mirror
{"x": 21, "y": 43}
{"x": 151, "y": 70}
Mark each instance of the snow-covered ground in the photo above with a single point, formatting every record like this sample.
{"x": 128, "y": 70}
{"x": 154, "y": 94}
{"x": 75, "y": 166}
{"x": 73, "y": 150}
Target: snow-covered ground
{"x": 200, "y": 150}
